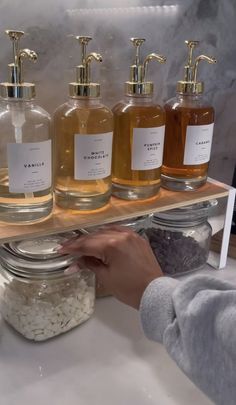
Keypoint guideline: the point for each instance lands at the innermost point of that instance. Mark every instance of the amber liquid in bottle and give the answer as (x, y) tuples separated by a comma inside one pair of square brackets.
[(135, 112), (181, 112), (79, 117)]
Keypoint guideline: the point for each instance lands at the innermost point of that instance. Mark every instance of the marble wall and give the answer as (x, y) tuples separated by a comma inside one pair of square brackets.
[(165, 24)]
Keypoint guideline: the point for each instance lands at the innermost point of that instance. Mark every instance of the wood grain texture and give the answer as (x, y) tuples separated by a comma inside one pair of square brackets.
[(65, 220)]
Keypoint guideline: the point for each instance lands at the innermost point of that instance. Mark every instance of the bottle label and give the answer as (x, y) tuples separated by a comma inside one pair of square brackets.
[(29, 166), (92, 156), (198, 144), (147, 148)]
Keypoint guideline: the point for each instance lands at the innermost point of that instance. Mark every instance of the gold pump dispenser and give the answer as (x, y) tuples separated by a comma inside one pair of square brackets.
[(17, 88), (190, 84), (84, 87), (138, 84)]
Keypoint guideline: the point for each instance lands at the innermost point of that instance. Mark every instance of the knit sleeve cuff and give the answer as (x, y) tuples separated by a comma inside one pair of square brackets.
[(156, 307)]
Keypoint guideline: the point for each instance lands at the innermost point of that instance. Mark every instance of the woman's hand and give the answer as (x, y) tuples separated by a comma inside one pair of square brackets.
[(122, 261)]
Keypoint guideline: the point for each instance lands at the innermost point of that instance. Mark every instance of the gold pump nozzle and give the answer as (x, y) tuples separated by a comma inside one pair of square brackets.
[(16, 87), (190, 85), (83, 87), (138, 85)]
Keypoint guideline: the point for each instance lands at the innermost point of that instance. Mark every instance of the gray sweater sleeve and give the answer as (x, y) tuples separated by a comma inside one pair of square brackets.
[(196, 322)]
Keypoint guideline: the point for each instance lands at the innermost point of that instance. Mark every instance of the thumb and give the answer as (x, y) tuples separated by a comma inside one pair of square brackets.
[(91, 263), (97, 267)]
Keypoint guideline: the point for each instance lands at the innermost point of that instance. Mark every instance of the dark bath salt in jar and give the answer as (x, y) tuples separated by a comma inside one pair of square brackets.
[(180, 238)]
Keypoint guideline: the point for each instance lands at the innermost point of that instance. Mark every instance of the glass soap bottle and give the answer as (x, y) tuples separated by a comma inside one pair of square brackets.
[(189, 130), (83, 130), (139, 126), (25, 145)]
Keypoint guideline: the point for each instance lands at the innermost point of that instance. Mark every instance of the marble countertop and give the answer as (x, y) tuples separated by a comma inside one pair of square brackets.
[(104, 361)]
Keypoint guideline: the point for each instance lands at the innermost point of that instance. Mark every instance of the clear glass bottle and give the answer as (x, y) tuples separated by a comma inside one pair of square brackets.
[(83, 131), (139, 126), (25, 146), (37, 297), (189, 131), (180, 238)]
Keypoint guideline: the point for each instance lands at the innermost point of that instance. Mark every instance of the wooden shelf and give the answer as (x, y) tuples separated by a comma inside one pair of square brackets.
[(65, 220)]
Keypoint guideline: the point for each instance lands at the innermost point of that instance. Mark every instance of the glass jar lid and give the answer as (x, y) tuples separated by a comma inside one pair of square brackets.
[(42, 248), (190, 213), (28, 266), (36, 258), (134, 223)]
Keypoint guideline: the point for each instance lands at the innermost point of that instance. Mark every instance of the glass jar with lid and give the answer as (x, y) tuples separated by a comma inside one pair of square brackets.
[(37, 297), (180, 238)]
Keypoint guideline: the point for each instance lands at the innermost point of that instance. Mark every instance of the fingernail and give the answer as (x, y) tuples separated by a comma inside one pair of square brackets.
[(73, 268), (68, 245), (61, 250), (58, 248), (69, 241)]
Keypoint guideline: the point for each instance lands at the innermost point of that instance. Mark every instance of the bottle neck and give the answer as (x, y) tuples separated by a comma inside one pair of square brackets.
[(139, 100), (85, 101), (188, 96), (17, 103)]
